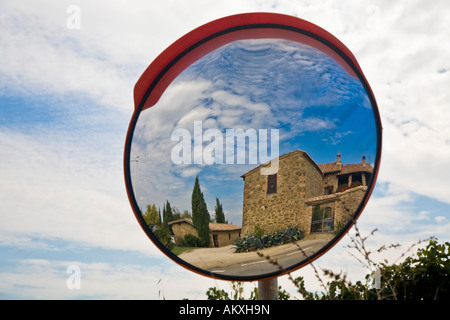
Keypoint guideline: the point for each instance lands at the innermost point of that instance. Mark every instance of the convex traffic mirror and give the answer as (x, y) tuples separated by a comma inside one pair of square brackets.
[(253, 136)]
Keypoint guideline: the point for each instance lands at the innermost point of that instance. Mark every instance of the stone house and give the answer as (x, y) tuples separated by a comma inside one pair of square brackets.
[(222, 234), (302, 193)]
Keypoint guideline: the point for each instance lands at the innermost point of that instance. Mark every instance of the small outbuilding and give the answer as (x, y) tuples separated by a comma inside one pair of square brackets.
[(221, 234)]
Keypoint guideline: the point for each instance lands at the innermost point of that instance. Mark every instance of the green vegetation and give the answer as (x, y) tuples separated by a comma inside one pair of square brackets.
[(192, 241), (200, 214), (151, 216), (424, 275), (167, 214), (200, 218), (258, 240), (179, 250), (220, 216), (160, 229), (237, 293), (345, 187)]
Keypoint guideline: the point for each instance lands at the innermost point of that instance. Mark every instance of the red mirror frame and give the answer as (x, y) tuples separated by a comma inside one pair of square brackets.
[(206, 38)]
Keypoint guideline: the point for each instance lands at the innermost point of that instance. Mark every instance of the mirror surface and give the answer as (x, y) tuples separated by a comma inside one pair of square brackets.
[(261, 145)]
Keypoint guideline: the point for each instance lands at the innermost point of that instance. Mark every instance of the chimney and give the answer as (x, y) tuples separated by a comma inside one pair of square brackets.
[(338, 158), (364, 161)]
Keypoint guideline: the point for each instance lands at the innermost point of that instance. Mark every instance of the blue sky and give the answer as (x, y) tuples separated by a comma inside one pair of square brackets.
[(65, 105)]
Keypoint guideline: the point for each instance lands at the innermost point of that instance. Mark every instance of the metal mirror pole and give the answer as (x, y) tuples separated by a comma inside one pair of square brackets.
[(268, 289)]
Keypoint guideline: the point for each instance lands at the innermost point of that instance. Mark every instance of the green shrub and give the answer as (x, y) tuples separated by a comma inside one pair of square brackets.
[(192, 241), (164, 235), (258, 231), (257, 241)]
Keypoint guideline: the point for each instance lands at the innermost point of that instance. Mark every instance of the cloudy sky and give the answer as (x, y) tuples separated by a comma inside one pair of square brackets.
[(66, 82)]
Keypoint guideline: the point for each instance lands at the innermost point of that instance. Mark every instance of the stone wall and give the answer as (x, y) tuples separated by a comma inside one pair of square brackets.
[(298, 178), (330, 180), (349, 202), (182, 229)]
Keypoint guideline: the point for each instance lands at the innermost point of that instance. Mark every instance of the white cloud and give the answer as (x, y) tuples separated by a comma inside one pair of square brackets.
[(411, 93), (47, 279), (440, 219), (64, 191), (45, 57), (424, 215)]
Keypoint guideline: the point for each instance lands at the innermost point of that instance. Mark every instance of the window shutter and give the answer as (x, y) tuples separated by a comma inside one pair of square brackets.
[(272, 183)]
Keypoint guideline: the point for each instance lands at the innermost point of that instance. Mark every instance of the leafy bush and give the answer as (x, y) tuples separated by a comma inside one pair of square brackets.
[(256, 241), (425, 277), (164, 235), (192, 241), (345, 187), (258, 231)]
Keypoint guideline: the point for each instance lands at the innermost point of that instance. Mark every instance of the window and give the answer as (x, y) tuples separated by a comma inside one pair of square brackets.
[(327, 213), (272, 183), (322, 219)]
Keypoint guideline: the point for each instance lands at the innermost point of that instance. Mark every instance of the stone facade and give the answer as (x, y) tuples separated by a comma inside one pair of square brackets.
[(181, 228), (298, 178), (300, 185)]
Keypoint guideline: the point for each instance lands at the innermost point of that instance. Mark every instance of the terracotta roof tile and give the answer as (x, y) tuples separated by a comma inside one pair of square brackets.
[(223, 227), (356, 167), (345, 168), (330, 167)]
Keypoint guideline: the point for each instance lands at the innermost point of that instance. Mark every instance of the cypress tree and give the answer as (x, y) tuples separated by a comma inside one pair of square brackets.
[(220, 216), (200, 214), (164, 215), (167, 213)]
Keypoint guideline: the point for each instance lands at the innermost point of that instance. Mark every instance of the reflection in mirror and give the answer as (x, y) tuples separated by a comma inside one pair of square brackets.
[(261, 145)]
